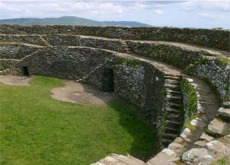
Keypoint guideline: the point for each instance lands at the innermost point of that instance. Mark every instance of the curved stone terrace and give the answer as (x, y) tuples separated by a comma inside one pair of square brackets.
[(207, 132)]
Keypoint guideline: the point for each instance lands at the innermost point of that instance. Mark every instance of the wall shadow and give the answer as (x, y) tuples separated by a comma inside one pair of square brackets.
[(145, 144)]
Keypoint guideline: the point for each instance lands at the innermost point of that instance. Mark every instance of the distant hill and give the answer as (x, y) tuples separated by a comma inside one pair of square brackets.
[(69, 20)]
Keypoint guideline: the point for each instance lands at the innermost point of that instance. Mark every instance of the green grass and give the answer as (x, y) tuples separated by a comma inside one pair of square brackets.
[(222, 161), (36, 129)]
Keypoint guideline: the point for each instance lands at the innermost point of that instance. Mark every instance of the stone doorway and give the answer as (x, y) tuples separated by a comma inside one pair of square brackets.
[(25, 71), (108, 80)]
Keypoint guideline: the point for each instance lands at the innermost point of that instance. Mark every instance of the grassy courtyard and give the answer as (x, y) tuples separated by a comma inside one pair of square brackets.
[(38, 130)]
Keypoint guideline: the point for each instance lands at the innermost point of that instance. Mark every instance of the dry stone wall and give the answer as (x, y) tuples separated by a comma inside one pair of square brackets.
[(15, 51), (73, 40), (169, 54), (204, 37), (138, 72), (216, 72), (64, 62), (31, 39)]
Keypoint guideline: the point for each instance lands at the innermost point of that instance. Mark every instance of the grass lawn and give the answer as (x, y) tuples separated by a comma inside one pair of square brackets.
[(38, 130)]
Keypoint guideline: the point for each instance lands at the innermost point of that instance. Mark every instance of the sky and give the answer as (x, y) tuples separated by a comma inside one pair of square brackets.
[(175, 13)]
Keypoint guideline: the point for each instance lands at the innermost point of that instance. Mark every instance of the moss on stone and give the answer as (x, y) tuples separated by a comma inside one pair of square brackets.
[(189, 126), (190, 92), (223, 60), (190, 70), (163, 93), (128, 61)]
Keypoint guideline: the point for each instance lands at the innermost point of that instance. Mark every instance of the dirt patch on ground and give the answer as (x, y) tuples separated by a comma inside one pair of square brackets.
[(74, 92), (15, 80)]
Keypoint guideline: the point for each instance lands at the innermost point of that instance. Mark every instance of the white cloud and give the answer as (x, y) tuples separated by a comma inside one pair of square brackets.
[(213, 10), (214, 5), (50, 8), (158, 11), (212, 15)]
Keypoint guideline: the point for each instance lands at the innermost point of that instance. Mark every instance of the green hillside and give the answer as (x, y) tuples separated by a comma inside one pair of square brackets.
[(69, 20)]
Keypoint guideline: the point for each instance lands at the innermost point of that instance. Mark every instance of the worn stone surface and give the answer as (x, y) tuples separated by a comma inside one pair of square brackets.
[(197, 155), (115, 159), (226, 104), (198, 123), (186, 135), (224, 112), (218, 127), (165, 157), (200, 143), (220, 149), (206, 137), (216, 146), (179, 148)]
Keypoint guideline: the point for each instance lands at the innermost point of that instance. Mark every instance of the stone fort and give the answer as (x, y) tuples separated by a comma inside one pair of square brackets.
[(177, 79)]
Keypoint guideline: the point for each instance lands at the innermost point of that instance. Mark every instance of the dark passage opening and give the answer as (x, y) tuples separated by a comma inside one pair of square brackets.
[(25, 71), (107, 80)]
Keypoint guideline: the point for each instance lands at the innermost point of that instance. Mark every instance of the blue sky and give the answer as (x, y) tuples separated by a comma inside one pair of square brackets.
[(176, 13)]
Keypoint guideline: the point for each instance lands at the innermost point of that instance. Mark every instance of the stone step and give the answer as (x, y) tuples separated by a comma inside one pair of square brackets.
[(218, 128), (173, 77), (169, 129), (224, 114), (173, 123), (174, 99), (173, 116), (174, 92), (226, 104), (169, 136), (173, 105), (178, 101), (172, 87), (172, 110), (171, 81), (206, 137), (166, 142)]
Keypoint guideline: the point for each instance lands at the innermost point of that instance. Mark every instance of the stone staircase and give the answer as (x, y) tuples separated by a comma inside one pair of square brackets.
[(215, 141), (11, 68), (173, 119), (45, 41), (90, 73), (218, 127), (125, 47), (6, 66), (5, 71)]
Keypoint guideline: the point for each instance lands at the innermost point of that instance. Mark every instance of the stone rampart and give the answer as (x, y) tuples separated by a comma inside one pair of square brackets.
[(204, 37), (142, 72)]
